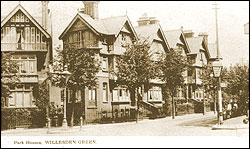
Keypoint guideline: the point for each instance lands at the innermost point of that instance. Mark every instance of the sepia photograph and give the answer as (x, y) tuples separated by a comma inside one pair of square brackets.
[(124, 74)]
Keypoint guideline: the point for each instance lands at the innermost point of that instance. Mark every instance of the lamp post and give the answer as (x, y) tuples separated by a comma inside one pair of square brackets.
[(115, 81), (217, 68), (213, 90), (65, 73)]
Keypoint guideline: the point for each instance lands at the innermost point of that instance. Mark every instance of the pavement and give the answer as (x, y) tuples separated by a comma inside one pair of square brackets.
[(232, 124), (185, 125)]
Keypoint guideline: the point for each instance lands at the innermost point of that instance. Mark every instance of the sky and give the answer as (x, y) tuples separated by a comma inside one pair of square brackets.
[(198, 16)]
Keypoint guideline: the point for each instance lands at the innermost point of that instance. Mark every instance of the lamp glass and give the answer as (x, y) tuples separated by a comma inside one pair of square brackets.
[(217, 71)]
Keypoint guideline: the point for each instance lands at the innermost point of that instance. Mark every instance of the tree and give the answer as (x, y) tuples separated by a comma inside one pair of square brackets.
[(237, 80), (41, 93), (172, 66), (83, 64), (209, 82), (9, 76), (136, 68)]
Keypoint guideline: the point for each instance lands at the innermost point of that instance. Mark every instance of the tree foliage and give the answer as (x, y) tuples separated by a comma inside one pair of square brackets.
[(172, 67), (135, 66), (41, 93), (237, 80), (83, 65), (9, 75)]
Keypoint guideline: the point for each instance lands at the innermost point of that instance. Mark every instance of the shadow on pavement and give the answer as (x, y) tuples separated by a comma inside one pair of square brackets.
[(200, 122)]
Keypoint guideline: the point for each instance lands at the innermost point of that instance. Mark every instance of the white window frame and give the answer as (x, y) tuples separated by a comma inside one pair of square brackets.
[(92, 96), (22, 91), (105, 92), (104, 64)]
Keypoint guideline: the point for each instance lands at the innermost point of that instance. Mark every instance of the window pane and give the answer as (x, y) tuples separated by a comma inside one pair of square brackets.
[(115, 95), (31, 57), (19, 86), (90, 94), (104, 92), (27, 34), (94, 94), (127, 94), (19, 99), (32, 35), (78, 96), (8, 34), (37, 36), (13, 34), (27, 87), (32, 66), (159, 95), (24, 68), (104, 63), (12, 99), (150, 94), (155, 95), (27, 99)]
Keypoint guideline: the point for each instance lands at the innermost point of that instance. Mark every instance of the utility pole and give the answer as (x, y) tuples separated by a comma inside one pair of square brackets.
[(217, 34), (220, 116)]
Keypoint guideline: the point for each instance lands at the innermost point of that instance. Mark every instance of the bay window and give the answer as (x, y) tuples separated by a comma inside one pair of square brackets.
[(27, 64), (155, 94), (120, 94), (21, 96)]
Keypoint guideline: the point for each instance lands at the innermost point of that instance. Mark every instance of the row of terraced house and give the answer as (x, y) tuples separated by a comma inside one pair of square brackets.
[(29, 37)]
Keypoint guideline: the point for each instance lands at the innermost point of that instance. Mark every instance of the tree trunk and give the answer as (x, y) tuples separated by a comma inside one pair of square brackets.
[(215, 102), (83, 103), (173, 107), (137, 104), (73, 108)]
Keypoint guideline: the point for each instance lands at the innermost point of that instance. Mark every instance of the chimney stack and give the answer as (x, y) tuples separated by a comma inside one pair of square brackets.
[(205, 36), (91, 9), (188, 33), (145, 20), (45, 14)]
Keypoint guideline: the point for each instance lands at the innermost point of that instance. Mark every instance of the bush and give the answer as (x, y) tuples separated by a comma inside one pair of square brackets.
[(11, 118), (38, 118)]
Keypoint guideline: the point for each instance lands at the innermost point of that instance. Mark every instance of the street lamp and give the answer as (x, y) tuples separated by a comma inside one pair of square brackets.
[(65, 73), (217, 68)]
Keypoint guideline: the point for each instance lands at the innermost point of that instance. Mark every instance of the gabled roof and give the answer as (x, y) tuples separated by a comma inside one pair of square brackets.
[(196, 44), (150, 31), (26, 13), (107, 26), (174, 37)]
